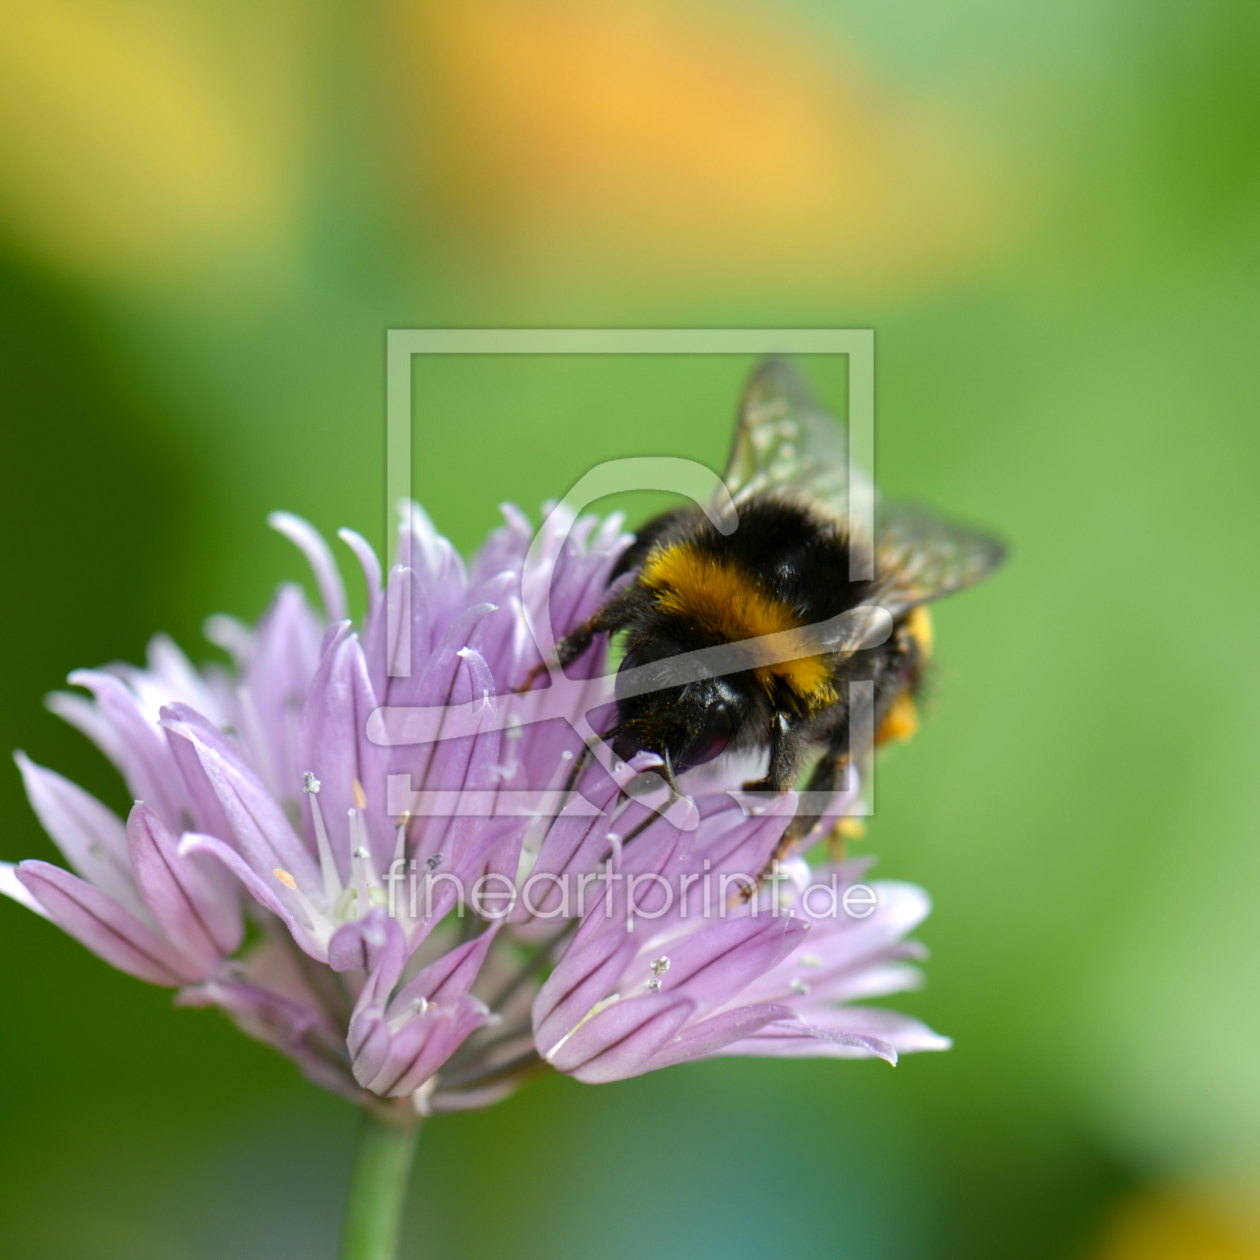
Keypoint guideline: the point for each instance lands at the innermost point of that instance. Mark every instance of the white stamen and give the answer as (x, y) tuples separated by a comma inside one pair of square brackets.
[(358, 867), (376, 894), (811, 961), (417, 1006), (798, 986), (660, 965), (310, 784), (602, 1005), (327, 863), (653, 985)]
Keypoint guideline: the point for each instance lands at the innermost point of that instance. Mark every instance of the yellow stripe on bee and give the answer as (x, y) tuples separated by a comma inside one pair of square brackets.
[(727, 603)]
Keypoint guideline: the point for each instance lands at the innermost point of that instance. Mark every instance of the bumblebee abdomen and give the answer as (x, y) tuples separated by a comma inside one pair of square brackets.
[(908, 656)]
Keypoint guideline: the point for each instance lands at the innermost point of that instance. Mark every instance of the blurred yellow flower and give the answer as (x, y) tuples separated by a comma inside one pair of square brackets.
[(1179, 1225), (139, 140)]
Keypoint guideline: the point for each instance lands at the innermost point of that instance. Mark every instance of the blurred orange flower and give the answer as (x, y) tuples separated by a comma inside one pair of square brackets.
[(676, 145)]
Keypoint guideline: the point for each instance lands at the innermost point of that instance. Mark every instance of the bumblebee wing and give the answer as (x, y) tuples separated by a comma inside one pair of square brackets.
[(786, 441), (919, 556)]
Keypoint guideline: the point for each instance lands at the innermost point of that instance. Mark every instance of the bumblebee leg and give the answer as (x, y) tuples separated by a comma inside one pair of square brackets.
[(614, 616), (568, 649), (826, 778), (786, 750)]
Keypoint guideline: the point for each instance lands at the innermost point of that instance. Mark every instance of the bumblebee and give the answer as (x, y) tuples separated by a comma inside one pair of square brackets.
[(785, 567)]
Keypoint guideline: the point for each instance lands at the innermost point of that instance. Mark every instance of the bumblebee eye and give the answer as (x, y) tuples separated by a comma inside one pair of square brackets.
[(635, 657), (720, 721), (632, 660)]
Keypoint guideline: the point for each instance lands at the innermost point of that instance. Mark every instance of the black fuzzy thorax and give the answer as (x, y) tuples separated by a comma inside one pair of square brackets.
[(794, 553)]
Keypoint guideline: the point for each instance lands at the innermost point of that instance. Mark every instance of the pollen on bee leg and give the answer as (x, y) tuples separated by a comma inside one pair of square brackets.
[(902, 721), (838, 837), (919, 625)]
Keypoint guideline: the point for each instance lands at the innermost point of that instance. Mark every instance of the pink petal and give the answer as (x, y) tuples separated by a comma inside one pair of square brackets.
[(188, 907), (311, 543), (100, 923), (90, 835)]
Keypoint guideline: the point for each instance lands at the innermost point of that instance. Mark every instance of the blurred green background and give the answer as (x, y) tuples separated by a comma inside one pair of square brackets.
[(210, 215)]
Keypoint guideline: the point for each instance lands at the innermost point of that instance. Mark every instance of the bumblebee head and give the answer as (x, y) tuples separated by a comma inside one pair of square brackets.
[(684, 725)]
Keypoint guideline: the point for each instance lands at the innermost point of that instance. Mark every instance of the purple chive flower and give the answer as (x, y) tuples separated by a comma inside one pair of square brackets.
[(706, 970), (616, 930)]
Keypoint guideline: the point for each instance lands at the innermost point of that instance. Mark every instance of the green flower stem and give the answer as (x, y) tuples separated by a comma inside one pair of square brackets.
[(378, 1186)]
